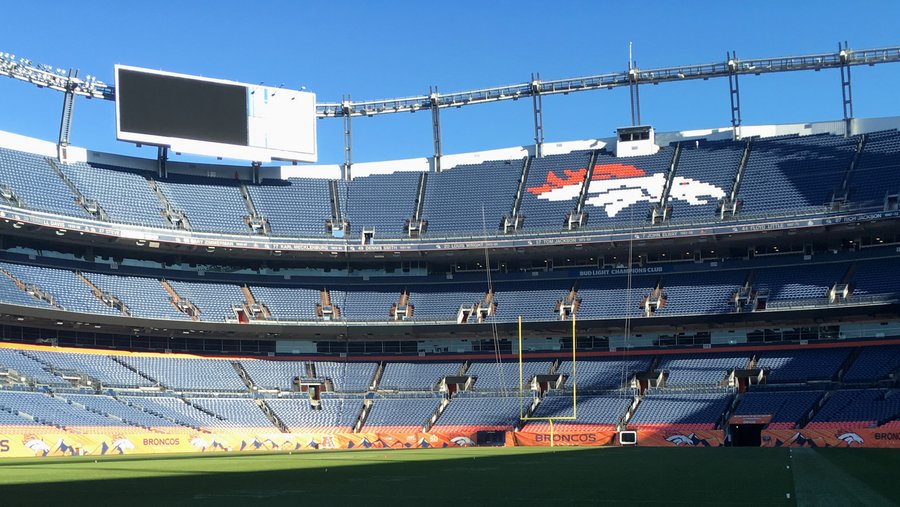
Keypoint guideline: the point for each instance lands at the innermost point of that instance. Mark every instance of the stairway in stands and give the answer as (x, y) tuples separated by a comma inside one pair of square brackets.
[(90, 205), (180, 303), (266, 409), (32, 290), (256, 222), (730, 205), (176, 217), (139, 372), (106, 298)]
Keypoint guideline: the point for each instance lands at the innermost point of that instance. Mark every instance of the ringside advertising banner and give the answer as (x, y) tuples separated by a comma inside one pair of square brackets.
[(18, 443), (25, 442), (680, 438), (832, 437), (584, 438)]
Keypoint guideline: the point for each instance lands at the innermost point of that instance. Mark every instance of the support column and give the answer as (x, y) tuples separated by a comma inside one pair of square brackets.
[(348, 137), (734, 94), (436, 126), (162, 156), (65, 124), (846, 89), (635, 95), (254, 172), (538, 115)]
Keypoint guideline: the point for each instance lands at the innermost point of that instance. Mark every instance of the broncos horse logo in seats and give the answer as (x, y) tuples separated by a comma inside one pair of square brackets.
[(691, 440), (614, 187)]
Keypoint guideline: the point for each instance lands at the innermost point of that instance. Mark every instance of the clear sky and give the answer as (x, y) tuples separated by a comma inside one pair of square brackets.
[(384, 49)]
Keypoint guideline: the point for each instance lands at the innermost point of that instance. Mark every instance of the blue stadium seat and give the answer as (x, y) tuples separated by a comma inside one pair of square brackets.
[(404, 376), (382, 202), (471, 198), (293, 207), (700, 411)]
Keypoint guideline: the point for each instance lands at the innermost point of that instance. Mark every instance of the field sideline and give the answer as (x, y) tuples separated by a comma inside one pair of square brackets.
[(474, 476)]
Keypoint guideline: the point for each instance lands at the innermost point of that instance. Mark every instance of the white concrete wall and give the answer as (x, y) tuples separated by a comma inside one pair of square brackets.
[(326, 171), (27, 144), (570, 146), (477, 157), (362, 169)]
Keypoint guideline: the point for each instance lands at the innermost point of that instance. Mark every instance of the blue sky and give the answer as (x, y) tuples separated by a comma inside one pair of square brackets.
[(393, 49)]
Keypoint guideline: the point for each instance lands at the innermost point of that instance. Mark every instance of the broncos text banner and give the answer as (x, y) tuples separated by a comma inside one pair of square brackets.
[(836, 437), (588, 438)]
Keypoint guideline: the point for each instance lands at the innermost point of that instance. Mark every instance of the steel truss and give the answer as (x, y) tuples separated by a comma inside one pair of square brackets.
[(57, 79), (843, 59)]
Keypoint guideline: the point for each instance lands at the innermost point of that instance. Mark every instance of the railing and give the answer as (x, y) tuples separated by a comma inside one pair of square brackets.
[(640, 230), (808, 303), (793, 305)]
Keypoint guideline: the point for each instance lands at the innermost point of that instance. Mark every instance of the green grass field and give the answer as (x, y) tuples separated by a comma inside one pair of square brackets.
[(470, 476)]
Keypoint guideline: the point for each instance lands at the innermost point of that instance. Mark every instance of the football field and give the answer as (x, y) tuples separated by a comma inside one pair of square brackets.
[(464, 476)]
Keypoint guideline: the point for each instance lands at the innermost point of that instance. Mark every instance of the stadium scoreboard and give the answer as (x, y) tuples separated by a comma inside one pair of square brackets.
[(214, 117)]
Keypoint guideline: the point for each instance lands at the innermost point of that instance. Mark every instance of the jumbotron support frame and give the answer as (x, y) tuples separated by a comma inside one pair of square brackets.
[(162, 160)]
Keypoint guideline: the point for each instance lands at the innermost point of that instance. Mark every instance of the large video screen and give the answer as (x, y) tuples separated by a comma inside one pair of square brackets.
[(214, 117), (180, 107)]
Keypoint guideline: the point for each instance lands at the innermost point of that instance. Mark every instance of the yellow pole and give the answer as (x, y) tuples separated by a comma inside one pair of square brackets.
[(574, 376), (521, 401), (551, 432)]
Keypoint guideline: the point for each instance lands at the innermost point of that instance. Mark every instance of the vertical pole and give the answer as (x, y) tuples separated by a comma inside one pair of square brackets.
[(521, 380), (633, 90), (734, 94), (551, 432), (574, 375), (846, 89), (348, 137), (631, 97), (635, 96), (436, 127), (255, 176), (537, 104), (162, 156)]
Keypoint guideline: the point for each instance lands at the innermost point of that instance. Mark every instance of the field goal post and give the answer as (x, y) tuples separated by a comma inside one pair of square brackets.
[(522, 416)]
